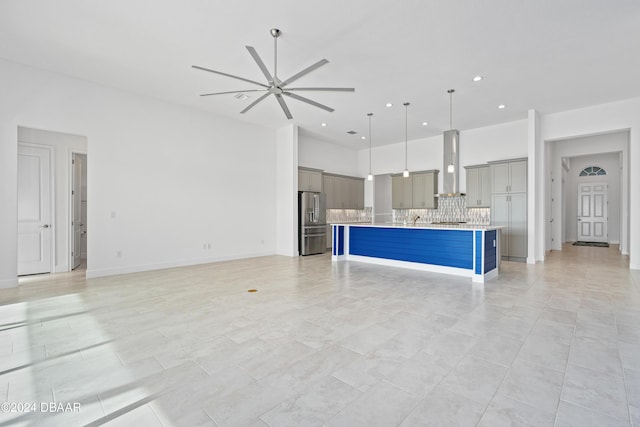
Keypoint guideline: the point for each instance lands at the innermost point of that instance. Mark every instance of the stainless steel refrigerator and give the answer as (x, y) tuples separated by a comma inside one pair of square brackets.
[(312, 223)]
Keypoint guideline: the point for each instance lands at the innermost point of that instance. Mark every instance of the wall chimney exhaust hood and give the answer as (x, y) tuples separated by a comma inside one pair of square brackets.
[(451, 156)]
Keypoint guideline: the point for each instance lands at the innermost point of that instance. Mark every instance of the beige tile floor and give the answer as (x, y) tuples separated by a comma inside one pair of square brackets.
[(346, 344)]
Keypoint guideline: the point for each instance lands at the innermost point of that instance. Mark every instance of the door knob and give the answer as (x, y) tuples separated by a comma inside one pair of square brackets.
[(45, 226)]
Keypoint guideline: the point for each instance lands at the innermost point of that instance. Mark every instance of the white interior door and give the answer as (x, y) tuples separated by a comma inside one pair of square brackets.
[(592, 212), (77, 221), (34, 210)]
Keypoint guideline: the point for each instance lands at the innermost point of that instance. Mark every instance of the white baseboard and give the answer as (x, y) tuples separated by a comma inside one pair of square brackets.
[(8, 283), (113, 271)]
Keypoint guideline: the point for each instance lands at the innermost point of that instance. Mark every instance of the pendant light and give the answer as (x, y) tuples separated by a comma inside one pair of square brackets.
[(406, 169), (370, 176), (451, 168)]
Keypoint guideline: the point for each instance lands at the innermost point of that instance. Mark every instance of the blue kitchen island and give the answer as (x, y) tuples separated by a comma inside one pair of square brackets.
[(462, 250)]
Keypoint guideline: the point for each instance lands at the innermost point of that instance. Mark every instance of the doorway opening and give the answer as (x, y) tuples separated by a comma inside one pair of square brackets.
[(78, 211), (47, 174)]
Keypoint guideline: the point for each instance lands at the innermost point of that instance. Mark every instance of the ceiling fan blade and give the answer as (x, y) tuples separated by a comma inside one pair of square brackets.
[(258, 60), (309, 101), (284, 106), (235, 91), (304, 72), (253, 104), (229, 75), (328, 89)]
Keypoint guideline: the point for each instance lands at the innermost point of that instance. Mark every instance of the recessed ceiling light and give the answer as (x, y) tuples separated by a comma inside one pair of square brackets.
[(477, 78), (388, 104), (323, 124), (363, 137), (424, 123), (501, 107)]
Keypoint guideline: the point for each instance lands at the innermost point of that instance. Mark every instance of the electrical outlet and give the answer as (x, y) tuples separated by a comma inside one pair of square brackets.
[(208, 245), (119, 254)]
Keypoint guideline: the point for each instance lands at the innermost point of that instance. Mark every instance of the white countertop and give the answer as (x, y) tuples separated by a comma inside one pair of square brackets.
[(425, 225)]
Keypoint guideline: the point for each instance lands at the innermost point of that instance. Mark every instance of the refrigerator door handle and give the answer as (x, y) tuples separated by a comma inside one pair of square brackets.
[(316, 207)]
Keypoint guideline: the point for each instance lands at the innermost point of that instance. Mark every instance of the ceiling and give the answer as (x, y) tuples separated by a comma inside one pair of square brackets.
[(551, 55)]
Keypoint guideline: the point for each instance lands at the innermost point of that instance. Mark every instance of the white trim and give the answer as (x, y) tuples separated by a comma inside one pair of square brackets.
[(412, 265), (490, 275), (103, 272), (9, 283)]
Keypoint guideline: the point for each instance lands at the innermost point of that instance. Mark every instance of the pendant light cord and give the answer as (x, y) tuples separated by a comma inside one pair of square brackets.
[(406, 105), (369, 114)]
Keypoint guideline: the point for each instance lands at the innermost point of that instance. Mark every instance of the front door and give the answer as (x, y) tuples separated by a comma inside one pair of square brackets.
[(34, 210), (592, 212)]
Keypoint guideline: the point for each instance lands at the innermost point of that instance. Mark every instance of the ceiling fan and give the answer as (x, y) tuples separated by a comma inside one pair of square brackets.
[(274, 85)]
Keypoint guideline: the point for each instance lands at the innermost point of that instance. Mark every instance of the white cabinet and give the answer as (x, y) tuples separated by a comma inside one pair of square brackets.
[(401, 192), (418, 191), (509, 207), (425, 188), (309, 180), (478, 186)]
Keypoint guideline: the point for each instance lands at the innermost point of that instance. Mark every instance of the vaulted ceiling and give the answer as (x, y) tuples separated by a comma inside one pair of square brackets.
[(549, 55)]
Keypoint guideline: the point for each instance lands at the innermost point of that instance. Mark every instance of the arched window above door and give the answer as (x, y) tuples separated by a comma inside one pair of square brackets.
[(593, 170)]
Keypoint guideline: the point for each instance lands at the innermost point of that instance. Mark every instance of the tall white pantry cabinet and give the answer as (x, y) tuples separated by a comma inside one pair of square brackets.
[(509, 206)]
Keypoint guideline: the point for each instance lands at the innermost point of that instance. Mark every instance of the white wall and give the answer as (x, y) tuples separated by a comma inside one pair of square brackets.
[(63, 146), (477, 146), (422, 154), (329, 157), (499, 142), (175, 178), (611, 164)]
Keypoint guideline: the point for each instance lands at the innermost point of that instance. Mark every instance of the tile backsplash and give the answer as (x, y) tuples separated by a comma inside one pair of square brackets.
[(348, 215), (450, 209)]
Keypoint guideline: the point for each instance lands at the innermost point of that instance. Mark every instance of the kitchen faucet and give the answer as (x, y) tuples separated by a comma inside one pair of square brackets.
[(415, 218)]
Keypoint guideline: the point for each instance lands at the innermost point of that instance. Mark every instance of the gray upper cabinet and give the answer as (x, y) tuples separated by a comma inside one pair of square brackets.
[(425, 188), (478, 186), (401, 192), (309, 180), (416, 192), (343, 192), (509, 177), (356, 193)]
